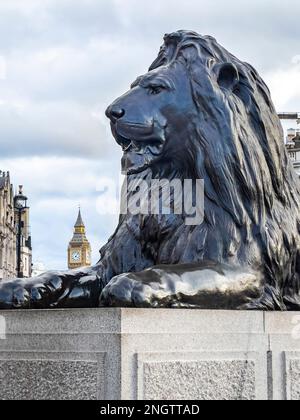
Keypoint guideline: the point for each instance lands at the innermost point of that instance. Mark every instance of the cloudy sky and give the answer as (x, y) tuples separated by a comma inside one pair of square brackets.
[(63, 61)]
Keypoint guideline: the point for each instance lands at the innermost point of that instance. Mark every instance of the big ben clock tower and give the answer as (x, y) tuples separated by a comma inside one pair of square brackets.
[(79, 251)]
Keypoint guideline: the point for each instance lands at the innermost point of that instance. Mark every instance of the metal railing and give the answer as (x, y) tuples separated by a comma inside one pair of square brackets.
[(289, 116)]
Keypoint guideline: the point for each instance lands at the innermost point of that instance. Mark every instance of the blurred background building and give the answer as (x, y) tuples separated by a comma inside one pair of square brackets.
[(8, 237), (15, 238), (292, 140), (23, 241)]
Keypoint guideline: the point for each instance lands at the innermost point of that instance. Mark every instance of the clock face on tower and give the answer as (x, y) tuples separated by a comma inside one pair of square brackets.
[(76, 256)]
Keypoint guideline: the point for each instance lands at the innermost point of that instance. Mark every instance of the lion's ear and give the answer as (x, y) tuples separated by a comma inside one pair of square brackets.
[(228, 76)]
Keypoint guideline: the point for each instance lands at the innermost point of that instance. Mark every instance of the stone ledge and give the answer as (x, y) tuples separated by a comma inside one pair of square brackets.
[(147, 353)]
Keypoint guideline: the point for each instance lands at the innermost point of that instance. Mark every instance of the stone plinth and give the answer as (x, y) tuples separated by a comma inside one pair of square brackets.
[(149, 354)]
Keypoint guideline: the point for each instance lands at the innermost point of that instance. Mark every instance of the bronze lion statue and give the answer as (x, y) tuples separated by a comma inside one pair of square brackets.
[(199, 113)]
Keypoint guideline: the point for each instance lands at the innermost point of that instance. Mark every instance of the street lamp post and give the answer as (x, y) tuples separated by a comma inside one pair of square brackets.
[(20, 204)]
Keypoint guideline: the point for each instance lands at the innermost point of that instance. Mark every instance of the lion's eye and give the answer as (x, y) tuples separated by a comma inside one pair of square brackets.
[(155, 90)]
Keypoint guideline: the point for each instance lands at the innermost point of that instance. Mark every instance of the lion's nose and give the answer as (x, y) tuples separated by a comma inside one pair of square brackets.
[(114, 113)]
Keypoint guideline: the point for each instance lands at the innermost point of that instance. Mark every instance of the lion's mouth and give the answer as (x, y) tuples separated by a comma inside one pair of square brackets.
[(142, 145), (139, 155), (138, 138), (153, 146)]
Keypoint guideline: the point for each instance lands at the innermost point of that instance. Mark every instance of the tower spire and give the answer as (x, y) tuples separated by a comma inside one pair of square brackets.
[(79, 221)]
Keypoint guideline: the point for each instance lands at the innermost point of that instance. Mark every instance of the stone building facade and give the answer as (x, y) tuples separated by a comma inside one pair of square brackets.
[(293, 147), (24, 248), (15, 238), (8, 233)]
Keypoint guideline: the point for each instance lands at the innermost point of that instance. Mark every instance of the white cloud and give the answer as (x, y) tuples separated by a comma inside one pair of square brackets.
[(3, 68), (53, 128), (296, 60), (284, 84)]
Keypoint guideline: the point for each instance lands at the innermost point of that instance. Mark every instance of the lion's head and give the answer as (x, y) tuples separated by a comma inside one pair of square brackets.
[(151, 120), (190, 100), (202, 113)]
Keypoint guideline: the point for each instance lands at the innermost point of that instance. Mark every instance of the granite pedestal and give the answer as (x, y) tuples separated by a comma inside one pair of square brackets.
[(149, 354)]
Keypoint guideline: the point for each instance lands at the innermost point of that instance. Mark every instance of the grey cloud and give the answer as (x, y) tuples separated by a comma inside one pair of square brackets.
[(29, 23), (262, 27), (263, 32), (67, 58), (53, 129), (88, 75)]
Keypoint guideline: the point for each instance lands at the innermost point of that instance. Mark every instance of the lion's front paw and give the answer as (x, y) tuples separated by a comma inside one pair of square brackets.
[(13, 295), (125, 290)]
